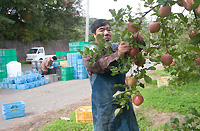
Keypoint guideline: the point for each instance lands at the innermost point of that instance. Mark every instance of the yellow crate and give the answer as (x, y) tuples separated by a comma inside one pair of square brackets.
[(63, 63), (84, 114)]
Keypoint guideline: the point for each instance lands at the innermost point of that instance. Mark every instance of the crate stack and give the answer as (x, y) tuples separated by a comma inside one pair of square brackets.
[(25, 81), (73, 46), (75, 61), (66, 73), (61, 55), (6, 56)]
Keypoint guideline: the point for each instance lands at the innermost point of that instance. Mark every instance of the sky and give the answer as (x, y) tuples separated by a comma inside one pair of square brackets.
[(100, 8)]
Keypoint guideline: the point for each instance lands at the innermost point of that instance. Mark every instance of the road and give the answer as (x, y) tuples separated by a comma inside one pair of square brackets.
[(43, 98)]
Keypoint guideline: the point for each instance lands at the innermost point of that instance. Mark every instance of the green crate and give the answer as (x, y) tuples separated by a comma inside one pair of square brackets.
[(3, 74), (66, 70), (9, 52), (61, 53), (1, 52), (67, 77), (72, 44)]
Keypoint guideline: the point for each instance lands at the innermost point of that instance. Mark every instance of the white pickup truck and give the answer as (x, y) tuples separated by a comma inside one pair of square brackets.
[(37, 54)]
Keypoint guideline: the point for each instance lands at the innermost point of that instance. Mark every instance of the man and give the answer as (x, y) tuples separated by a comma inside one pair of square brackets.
[(102, 83), (47, 64)]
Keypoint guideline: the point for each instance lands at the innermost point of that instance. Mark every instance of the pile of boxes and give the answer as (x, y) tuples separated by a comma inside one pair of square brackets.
[(6, 56)]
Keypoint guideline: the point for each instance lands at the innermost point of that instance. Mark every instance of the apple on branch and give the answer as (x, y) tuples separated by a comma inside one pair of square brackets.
[(139, 62), (131, 28), (154, 27), (198, 61), (164, 11), (138, 99), (166, 59), (131, 81), (192, 33)]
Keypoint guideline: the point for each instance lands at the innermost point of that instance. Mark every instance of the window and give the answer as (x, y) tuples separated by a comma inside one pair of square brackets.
[(40, 51)]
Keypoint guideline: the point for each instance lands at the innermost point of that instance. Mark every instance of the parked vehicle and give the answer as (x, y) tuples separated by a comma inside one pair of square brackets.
[(37, 54)]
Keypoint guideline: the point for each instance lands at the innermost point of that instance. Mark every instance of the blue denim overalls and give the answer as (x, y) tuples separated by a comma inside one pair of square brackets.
[(102, 107)]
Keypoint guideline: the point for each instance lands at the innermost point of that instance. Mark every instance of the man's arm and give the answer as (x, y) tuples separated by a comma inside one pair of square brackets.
[(102, 64)]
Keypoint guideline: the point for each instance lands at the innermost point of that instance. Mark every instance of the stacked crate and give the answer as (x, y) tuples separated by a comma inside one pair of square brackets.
[(75, 61), (73, 46), (66, 73), (25, 81), (6, 56)]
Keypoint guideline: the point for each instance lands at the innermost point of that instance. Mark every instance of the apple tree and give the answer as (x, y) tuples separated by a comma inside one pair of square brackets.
[(173, 40)]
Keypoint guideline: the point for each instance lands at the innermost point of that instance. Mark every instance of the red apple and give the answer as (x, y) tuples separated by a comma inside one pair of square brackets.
[(132, 29), (131, 81), (138, 99), (137, 38), (193, 33), (139, 62), (154, 27), (164, 11), (198, 61), (166, 59), (126, 79), (134, 51)]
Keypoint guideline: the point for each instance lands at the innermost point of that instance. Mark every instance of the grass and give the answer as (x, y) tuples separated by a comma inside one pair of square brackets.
[(71, 125), (162, 99), (166, 99)]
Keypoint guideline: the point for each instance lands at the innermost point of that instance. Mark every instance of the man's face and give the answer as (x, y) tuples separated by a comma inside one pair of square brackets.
[(106, 31)]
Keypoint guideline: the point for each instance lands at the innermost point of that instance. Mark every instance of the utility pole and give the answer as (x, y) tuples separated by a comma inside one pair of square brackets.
[(87, 23)]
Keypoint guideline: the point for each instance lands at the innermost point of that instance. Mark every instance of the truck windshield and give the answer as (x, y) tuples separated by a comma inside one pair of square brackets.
[(32, 51)]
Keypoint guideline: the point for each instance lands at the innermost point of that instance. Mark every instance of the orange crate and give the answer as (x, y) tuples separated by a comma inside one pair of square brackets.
[(84, 114), (63, 63)]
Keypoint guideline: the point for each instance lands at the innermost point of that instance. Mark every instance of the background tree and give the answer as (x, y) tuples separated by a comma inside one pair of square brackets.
[(39, 20)]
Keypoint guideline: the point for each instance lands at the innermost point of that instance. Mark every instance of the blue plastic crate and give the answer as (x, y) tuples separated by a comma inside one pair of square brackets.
[(12, 86), (42, 81), (4, 85), (13, 110), (31, 84), (55, 64), (46, 81), (23, 86), (37, 83)]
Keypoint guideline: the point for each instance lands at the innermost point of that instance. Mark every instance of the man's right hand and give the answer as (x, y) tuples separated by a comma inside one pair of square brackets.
[(123, 48)]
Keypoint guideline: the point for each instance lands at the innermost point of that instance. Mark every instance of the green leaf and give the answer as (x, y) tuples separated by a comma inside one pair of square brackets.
[(118, 111), (152, 68), (55, 1), (194, 111), (141, 85), (197, 2), (151, 49), (150, 2), (147, 79), (81, 52), (50, 3), (118, 93), (193, 48)]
